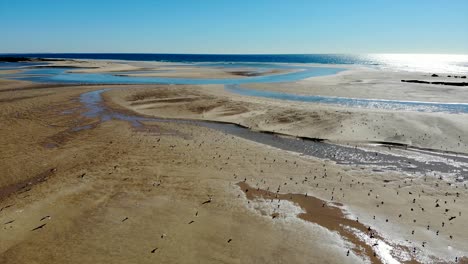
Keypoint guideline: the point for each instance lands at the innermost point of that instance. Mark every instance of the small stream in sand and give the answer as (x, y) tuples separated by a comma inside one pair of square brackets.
[(380, 157), (331, 216)]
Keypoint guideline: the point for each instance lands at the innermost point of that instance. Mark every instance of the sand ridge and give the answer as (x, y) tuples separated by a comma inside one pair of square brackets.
[(212, 102)]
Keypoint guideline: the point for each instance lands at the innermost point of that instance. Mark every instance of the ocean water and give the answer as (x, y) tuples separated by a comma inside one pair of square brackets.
[(300, 63), (398, 105), (62, 75), (430, 63)]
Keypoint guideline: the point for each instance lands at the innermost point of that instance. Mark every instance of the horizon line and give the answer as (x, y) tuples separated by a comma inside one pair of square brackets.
[(176, 53)]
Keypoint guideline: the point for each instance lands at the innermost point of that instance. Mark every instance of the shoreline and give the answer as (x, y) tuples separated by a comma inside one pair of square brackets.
[(355, 81)]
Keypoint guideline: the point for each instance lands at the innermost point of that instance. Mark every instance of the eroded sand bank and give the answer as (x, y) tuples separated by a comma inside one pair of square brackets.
[(439, 131)]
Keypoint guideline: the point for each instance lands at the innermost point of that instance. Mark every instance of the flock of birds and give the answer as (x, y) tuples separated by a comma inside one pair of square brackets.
[(329, 184), (335, 186)]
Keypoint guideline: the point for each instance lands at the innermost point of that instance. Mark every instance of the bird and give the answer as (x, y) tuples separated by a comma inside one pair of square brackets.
[(207, 201), (39, 227)]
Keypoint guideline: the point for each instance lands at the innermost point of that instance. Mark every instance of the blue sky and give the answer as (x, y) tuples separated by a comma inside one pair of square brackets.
[(234, 26)]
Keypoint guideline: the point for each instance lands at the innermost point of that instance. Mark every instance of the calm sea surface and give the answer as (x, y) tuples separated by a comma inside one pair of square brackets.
[(436, 63)]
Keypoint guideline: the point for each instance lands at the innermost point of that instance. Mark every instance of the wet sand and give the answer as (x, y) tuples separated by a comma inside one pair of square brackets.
[(438, 131), (168, 192), (370, 83), (156, 69), (319, 212)]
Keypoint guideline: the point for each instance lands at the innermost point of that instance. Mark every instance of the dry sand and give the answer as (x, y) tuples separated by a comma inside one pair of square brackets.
[(169, 192)]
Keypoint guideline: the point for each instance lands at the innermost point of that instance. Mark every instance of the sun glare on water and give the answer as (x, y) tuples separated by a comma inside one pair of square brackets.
[(436, 63)]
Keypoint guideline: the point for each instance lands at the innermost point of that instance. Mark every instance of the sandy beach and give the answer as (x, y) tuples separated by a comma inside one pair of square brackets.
[(78, 188), (156, 69)]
